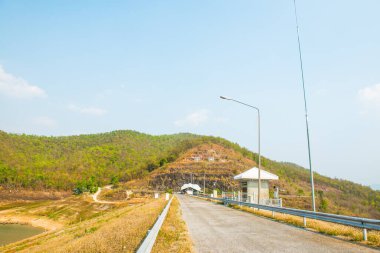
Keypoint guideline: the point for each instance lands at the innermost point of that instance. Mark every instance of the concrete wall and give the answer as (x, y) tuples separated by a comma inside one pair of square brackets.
[(253, 189)]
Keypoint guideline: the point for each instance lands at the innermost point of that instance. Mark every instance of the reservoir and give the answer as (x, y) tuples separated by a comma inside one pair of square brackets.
[(15, 232)]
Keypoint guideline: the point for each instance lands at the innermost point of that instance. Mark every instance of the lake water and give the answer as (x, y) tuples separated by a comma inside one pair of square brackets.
[(15, 232)]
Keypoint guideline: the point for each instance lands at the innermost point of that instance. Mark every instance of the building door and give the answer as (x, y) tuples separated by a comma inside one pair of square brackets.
[(244, 191)]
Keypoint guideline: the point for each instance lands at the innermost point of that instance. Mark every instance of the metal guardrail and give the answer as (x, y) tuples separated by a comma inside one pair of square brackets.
[(147, 245), (243, 197), (358, 222), (267, 202)]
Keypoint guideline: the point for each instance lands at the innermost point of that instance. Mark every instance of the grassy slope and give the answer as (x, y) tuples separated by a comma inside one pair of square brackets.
[(60, 162), (65, 211), (118, 230), (173, 236)]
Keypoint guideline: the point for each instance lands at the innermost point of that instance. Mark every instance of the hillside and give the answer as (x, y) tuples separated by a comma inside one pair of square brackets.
[(63, 162), (163, 162), (217, 165), (212, 162)]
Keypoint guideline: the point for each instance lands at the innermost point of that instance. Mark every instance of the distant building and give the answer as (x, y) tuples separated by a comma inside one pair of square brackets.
[(249, 183), (190, 189), (197, 158)]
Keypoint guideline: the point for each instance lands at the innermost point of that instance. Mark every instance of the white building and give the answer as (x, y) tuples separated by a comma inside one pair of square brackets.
[(249, 183), (190, 188)]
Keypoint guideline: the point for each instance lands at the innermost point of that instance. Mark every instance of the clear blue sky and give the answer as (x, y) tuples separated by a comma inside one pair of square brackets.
[(71, 67)]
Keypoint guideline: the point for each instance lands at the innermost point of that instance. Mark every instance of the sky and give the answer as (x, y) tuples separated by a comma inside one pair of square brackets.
[(159, 67)]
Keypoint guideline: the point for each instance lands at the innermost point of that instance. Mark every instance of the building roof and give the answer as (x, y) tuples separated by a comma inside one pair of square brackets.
[(254, 174), (189, 185)]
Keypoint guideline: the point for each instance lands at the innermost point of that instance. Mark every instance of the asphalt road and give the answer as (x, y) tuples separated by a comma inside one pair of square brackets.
[(215, 228)]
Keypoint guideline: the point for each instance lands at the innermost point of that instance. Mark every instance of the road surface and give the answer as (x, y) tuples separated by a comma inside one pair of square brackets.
[(215, 228)]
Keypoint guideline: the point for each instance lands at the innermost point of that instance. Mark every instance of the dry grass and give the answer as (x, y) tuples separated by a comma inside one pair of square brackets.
[(119, 193), (341, 231), (173, 236), (65, 211), (121, 235), (120, 230), (31, 195)]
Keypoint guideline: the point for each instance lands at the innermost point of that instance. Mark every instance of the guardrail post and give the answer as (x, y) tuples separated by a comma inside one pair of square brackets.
[(272, 214), (304, 222), (364, 234)]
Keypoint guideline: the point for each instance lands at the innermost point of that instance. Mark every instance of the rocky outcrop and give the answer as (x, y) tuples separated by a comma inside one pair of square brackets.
[(209, 164)]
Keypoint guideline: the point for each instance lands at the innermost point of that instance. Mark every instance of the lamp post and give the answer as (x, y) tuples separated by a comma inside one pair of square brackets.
[(258, 128)]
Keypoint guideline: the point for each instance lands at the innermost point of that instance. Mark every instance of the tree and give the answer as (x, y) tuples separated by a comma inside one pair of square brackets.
[(115, 181)]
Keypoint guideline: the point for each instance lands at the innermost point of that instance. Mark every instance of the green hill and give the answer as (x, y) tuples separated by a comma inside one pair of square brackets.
[(85, 161), (40, 162), (61, 162)]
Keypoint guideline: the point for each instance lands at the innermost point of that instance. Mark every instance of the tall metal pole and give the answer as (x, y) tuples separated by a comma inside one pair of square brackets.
[(204, 182), (259, 134), (306, 115), (259, 137)]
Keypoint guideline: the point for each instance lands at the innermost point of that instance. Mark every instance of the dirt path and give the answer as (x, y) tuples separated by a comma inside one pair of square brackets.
[(215, 228), (96, 194)]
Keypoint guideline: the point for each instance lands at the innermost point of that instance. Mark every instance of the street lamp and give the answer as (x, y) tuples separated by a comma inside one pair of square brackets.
[(258, 128)]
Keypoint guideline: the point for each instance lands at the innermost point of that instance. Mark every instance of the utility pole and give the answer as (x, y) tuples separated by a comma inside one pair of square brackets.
[(204, 182)]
